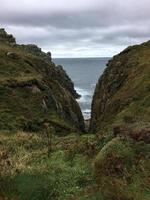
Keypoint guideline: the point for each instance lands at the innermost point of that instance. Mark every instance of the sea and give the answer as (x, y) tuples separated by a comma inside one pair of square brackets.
[(85, 73)]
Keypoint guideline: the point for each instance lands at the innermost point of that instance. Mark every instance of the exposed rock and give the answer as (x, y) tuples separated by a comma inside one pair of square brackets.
[(6, 38), (35, 50), (121, 116), (49, 55), (65, 81), (12, 55), (35, 89)]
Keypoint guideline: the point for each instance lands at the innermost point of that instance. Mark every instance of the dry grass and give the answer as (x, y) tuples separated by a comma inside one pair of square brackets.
[(28, 172)]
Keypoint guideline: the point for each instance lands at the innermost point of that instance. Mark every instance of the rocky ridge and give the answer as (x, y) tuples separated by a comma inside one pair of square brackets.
[(33, 90), (121, 120), (122, 94), (112, 163)]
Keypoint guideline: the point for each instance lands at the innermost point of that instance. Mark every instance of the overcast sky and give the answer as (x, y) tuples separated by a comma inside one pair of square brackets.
[(77, 28)]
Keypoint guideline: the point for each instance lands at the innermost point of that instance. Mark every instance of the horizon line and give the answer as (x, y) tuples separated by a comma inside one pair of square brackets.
[(83, 57)]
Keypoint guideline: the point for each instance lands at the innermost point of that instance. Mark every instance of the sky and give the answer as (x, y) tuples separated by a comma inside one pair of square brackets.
[(77, 28)]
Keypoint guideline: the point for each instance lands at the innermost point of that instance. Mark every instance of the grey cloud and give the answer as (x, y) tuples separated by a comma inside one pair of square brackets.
[(101, 13), (83, 26)]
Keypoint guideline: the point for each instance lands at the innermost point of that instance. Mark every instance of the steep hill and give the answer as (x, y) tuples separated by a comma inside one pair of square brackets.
[(34, 91), (121, 119), (122, 94), (113, 164)]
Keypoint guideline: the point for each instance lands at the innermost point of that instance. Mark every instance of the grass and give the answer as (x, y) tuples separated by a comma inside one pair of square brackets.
[(120, 171), (123, 92), (75, 167), (21, 107), (27, 172)]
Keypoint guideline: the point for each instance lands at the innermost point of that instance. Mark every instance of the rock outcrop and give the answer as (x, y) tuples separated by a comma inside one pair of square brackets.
[(122, 94), (7, 38), (35, 50), (33, 90), (65, 80)]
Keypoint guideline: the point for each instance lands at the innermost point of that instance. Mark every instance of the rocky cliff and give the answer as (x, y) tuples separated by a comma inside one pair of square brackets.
[(108, 165), (33, 90), (122, 94), (121, 119)]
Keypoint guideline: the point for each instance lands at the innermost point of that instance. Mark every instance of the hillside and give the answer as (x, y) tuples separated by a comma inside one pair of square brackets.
[(34, 91), (122, 94), (121, 119), (44, 156)]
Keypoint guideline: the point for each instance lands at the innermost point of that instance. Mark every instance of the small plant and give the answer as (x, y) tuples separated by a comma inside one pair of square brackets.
[(49, 132)]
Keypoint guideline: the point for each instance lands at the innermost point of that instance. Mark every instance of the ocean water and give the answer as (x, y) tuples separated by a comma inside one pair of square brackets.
[(84, 72)]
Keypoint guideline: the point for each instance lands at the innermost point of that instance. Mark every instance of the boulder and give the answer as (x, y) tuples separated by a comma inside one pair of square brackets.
[(12, 55)]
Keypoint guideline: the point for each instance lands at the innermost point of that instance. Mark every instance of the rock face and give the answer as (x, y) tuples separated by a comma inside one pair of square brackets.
[(121, 119), (66, 82), (33, 90), (35, 50), (7, 38), (122, 94), (58, 72)]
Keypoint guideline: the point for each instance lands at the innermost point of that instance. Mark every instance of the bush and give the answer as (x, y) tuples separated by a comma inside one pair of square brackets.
[(122, 168)]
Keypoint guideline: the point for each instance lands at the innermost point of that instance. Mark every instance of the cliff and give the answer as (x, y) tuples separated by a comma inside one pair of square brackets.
[(34, 91), (122, 94), (113, 164), (121, 119)]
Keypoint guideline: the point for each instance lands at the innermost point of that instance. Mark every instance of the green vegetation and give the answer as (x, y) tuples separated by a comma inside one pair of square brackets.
[(27, 172), (122, 95), (44, 156), (33, 90), (121, 109), (122, 169)]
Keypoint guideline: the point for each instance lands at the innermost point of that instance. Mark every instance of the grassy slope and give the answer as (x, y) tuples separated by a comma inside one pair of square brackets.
[(122, 95), (122, 99), (20, 108), (120, 171), (27, 172)]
